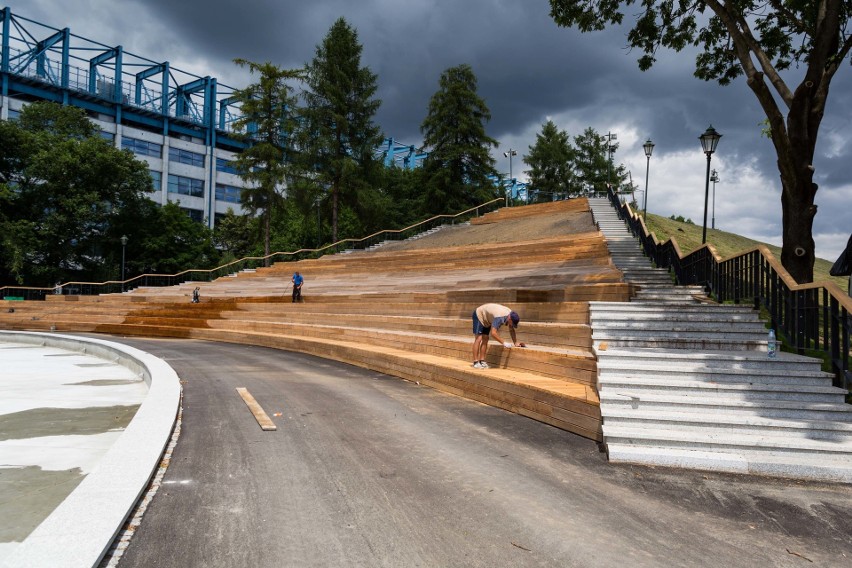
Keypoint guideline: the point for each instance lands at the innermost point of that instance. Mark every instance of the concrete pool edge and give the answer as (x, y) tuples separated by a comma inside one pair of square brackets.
[(81, 529)]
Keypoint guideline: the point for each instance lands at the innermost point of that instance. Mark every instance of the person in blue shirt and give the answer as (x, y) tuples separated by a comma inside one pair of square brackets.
[(297, 287)]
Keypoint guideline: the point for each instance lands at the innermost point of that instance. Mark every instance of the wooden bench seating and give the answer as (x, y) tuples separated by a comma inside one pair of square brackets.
[(402, 312)]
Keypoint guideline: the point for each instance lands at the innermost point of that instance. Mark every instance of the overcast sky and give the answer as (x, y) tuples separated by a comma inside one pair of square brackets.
[(529, 70)]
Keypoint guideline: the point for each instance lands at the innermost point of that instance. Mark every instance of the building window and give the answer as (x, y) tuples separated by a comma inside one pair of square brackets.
[(186, 157), (228, 193), (14, 114), (196, 215), (108, 136), (142, 147), (226, 166), (186, 186), (156, 180)]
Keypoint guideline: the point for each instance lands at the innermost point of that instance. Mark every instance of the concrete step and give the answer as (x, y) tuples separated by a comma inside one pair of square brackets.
[(649, 309), (683, 341), (755, 443), (687, 361), (674, 323), (716, 375), (817, 467), (632, 387), (796, 410), (731, 424)]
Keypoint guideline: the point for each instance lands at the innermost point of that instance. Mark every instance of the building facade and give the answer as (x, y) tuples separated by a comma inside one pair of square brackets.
[(180, 124)]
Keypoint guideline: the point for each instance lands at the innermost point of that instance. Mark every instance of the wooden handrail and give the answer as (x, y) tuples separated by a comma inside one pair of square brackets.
[(258, 259)]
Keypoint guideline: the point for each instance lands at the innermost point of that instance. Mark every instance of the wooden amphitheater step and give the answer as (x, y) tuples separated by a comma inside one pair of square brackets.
[(504, 213), (565, 335), (572, 407)]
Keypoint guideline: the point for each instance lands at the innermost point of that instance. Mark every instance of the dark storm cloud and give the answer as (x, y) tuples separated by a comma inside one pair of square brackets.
[(528, 69)]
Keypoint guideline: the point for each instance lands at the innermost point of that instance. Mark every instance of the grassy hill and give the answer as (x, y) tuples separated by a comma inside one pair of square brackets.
[(688, 237)]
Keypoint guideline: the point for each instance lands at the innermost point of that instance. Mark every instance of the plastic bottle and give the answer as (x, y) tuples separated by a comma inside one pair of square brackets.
[(771, 345)]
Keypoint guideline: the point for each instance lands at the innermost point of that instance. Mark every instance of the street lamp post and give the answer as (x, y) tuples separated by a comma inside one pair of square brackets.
[(319, 222), (709, 140), (509, 155), (610, 136), (123, 240), (714, 177), (649, 148)]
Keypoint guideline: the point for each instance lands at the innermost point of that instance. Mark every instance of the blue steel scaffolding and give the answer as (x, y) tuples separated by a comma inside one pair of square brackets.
[(39, 62)]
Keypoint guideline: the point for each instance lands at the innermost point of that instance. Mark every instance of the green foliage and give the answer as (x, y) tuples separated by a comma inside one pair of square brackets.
[(459, 163), (402, 190), (769, 43), (267, 125), (784, 32), (63, 187), (551, 159), (236, 234), (167, 242), (688, 237), (592, 166), (680, 219), (337, 135)]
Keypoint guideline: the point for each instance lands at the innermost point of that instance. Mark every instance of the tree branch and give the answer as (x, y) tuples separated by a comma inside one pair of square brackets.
[(826, 56), (747, 44), (798, 24)]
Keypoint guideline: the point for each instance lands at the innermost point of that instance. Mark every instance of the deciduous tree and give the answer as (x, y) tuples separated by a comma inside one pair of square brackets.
[(63, 187), (771, 43)]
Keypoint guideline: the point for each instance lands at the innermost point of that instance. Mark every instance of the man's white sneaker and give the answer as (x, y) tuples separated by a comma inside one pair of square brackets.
[(477, 365), (483, 365)]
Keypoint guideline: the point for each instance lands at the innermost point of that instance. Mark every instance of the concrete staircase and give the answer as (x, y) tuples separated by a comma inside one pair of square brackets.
[(687, 383)]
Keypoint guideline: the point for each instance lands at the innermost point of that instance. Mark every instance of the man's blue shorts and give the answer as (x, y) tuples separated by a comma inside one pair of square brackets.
[(478, 328)]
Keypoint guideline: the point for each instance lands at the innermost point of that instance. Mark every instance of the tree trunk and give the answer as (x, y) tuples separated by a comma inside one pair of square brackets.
[(796, 148), (335, 194), (798, 211)]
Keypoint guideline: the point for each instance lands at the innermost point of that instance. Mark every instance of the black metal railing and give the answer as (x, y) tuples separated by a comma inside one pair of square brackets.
[(811, 318), (247, 263)]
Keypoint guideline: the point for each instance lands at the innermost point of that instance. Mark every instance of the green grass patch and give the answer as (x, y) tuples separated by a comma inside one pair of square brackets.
[(688, 237)]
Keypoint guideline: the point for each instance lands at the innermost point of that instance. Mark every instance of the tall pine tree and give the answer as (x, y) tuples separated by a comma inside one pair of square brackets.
[(592, 166), (337, 135), (267, 125), (550, 162), (459, 162)]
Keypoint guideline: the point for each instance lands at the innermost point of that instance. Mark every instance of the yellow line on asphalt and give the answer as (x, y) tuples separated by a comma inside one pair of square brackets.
[(262, 418)]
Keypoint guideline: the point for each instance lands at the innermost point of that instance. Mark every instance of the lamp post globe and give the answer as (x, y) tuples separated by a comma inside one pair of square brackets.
[(648, 146), (709, 141)]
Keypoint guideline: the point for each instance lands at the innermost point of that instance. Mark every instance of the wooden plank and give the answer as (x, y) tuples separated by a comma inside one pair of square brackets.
[(262, 418)]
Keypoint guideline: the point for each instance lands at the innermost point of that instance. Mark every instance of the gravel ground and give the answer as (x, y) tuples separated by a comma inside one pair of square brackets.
[(522, 229)]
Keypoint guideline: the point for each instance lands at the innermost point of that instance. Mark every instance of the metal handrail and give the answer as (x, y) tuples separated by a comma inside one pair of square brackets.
[(809, 317), (249, 262)]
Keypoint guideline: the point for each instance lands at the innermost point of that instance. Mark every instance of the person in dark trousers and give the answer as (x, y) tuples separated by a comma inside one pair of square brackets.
[(487, 319), (196, 295), (297, 287)]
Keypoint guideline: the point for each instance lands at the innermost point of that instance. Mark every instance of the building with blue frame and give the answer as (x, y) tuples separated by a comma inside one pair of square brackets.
[(180, 124), (177, 122)]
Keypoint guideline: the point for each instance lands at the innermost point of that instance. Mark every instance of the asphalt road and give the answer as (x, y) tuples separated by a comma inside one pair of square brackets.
[(369, 470)]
